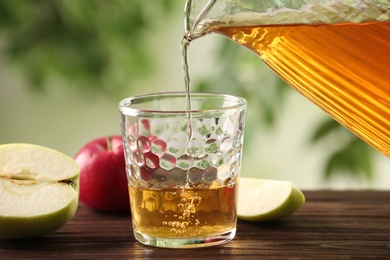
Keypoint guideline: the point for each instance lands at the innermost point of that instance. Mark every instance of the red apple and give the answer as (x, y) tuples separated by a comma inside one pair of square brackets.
[(103, 180)]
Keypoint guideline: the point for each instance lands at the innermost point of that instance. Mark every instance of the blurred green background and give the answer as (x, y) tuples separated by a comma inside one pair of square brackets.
[(65, 65)]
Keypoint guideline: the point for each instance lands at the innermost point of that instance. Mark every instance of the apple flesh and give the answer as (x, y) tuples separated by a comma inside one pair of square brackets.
[(103, 180), (38, 190), (262, 200)]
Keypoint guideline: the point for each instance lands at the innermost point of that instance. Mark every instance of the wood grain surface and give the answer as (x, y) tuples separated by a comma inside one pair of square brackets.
[(331, 225)]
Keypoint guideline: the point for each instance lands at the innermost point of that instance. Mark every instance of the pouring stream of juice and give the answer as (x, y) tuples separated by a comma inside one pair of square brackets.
[(339, 62), (185, 43)]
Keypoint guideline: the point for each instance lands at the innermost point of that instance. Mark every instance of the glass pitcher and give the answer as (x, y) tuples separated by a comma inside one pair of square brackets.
[(336, 53)]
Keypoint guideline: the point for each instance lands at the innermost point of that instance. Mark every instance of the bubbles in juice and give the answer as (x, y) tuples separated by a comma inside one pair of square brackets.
[(195, 212)]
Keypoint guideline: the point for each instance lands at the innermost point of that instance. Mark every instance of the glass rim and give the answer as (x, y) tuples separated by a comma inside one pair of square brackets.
[(125, 104)]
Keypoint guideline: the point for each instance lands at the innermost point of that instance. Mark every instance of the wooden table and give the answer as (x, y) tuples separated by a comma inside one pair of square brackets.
[(331, 225)]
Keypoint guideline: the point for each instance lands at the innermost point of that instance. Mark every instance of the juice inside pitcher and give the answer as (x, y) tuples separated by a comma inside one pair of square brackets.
[(343, 66)]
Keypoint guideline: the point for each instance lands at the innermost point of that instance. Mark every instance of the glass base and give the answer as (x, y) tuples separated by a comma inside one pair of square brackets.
[(187, 242)]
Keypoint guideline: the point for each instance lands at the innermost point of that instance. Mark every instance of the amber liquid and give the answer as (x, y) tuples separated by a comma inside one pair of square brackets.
[(343, 68), (182, 213)]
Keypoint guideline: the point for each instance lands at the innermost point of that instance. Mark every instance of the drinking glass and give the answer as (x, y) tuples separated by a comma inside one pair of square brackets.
[(183, 166)]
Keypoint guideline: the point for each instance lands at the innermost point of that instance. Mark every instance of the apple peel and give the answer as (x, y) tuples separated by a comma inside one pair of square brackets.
[(103, 179)]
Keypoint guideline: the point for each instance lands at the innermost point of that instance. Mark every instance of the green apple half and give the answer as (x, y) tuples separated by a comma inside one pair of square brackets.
[(262, 200), (39, 190)]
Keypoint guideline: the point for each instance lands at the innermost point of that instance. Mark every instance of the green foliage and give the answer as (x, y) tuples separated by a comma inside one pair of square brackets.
[(353, 157), (94, 44)]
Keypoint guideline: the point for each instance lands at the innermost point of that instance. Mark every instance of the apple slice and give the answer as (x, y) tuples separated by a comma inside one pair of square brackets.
[(38, 190), (263, 200)]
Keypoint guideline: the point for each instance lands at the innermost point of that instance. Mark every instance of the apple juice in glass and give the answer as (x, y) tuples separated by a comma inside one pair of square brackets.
[(183, 167), (335, 53)]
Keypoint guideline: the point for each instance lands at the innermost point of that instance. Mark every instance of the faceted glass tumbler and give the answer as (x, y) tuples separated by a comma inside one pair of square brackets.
[(183, 166)]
